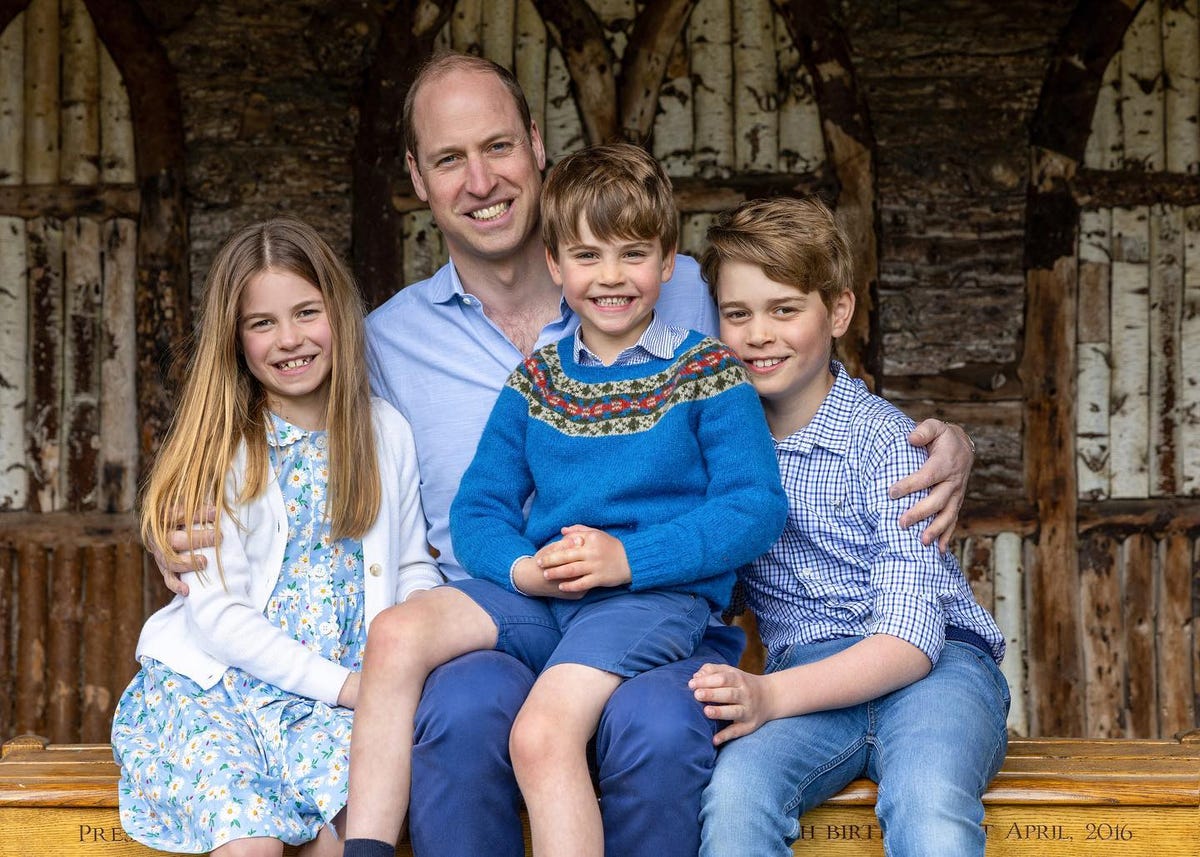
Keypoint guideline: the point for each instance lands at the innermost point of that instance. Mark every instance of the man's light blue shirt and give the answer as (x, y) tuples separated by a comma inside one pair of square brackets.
[(436, 356)]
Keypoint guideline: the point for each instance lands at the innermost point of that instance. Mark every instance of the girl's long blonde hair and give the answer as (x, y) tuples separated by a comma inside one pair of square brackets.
[(223, 406)]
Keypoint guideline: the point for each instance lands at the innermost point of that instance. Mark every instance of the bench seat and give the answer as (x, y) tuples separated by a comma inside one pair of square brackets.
[(1060, 797)]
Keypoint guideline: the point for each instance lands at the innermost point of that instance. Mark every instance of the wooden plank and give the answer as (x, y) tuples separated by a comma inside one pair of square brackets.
[(1138, 574), (8, 586), (671, 141), (801, 141), (1008, 574), (29, 708), (1103, 640), (117, 156), (755, 88), (499, 30), (44, 409), (1166, 369), (709, 31), (1189, 339), (32, 201), (977, 565), (693, 227), (97, 652), (12, 102), (1175, 643), (530, 61), (79, 161), (1129, 422), (563, 132), (14, 355), (62, 646), (118, 368), (81, 361), (1105, 149), (41, 92), (1181, 81), (128, 613), (1094, 374), (1142, 91)]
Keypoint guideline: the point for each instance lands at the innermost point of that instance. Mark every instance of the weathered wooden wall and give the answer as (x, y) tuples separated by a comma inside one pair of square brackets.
[(944, 130)]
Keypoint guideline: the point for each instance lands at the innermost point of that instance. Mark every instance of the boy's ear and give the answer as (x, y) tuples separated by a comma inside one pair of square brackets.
[(552, 264), (841, 313), (668, 263)]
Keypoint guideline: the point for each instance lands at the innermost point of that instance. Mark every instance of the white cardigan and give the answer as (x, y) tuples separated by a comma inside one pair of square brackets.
[(217, 626)]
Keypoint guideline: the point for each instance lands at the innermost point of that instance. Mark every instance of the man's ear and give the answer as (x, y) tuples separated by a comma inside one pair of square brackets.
[(415, 173), (841, 313), (539, 150)]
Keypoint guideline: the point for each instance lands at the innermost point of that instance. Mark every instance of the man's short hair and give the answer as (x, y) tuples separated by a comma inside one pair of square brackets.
[(798, 242), (621, 190), (442, 63)]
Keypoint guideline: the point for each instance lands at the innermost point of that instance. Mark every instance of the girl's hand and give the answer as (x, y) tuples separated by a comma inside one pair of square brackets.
[(584, 559), (731, 694), (945, 474)]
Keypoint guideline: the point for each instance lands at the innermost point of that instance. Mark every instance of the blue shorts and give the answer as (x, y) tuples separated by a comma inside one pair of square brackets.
[(617, 631)]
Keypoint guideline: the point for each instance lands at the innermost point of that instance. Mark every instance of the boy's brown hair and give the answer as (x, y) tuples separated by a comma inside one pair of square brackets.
[(621, 191), (797, 242)]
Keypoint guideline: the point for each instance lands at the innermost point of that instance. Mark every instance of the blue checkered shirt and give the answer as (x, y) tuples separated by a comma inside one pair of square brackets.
[(843, 567), (657, 342)]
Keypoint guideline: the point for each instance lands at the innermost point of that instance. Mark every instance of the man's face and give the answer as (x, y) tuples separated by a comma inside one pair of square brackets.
[(477, 166)]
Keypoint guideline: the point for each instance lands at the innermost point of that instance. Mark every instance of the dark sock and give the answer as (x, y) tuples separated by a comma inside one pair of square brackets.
[(368, 848)]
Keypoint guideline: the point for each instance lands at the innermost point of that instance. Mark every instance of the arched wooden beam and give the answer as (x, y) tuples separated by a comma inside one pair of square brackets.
[(590, 62), (379, 171), (654, 35), (1058, 135), (850, 148)]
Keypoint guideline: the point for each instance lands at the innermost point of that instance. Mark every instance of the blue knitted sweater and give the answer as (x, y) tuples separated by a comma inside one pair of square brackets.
[(673, 457)]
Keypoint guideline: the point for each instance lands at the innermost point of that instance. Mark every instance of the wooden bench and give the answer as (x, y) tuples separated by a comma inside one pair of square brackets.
[(1053, 797)]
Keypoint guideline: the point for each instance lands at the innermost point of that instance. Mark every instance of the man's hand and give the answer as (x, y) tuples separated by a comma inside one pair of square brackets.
[(945, 474), (183, 541), (583, 559), (731, 694)]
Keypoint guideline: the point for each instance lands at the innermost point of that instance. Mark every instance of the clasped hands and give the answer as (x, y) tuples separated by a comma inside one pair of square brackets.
[(583, 559)]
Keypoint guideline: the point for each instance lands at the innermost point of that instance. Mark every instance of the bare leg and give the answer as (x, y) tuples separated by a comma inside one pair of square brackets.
[(405, 644), (255, 846), (325, 845), (549, 753)]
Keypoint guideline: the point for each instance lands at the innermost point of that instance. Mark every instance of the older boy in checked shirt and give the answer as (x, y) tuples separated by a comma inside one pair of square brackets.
[(880, 662)]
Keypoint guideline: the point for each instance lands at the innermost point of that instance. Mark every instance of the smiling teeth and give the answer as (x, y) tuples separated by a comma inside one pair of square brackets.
[(613, 301), (491, 212), (766, 362), (295, 364)]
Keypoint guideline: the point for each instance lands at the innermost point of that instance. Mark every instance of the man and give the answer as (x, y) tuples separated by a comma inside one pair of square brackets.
[(442, 349)]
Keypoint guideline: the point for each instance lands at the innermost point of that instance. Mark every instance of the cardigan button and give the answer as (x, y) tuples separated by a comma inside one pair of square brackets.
[(376, 569)]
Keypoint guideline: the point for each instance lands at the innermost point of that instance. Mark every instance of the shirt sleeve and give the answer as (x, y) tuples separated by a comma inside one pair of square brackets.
[(487, 517), (910, 582), (744, 509)]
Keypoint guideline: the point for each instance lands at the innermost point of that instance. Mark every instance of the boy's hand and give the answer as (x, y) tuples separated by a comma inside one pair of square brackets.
[(583, 559), (202, 536), (733, 695), (531, 580), (945, 474)]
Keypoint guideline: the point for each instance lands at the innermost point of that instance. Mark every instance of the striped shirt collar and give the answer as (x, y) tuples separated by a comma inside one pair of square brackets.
[(658, 341)]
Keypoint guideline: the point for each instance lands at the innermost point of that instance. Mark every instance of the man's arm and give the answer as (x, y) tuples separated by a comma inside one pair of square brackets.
[(945, 473), (186, 543)]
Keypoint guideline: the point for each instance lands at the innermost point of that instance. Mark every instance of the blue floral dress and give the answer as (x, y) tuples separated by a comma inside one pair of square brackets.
[(202, 767)]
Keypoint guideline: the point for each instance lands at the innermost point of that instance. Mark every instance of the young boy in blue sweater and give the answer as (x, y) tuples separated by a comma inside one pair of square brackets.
[(880, 662), (624, 474)]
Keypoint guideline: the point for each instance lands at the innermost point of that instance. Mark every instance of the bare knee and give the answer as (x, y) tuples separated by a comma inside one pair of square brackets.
[(399, 636), (257, 846), (539, 738)]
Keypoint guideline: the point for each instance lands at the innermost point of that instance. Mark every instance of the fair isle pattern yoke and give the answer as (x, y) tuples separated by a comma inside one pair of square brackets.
[(582, 409)]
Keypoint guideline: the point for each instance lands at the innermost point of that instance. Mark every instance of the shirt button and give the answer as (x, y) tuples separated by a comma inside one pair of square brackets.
[(320, 571), (376, 569)]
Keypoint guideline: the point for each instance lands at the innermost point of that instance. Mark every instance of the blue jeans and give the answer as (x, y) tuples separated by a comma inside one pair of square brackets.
[(932, 747), (654, 754)]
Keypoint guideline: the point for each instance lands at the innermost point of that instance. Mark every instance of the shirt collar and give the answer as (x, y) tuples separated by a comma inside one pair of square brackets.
[(828, 426), (656, 341), (446, 286), (282, 434)]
